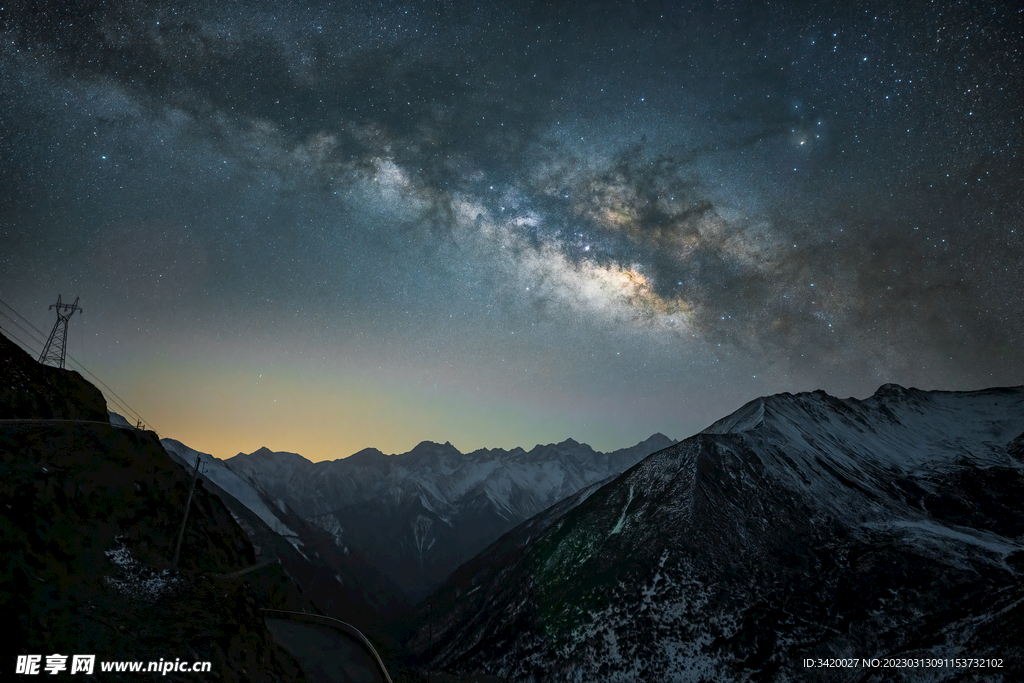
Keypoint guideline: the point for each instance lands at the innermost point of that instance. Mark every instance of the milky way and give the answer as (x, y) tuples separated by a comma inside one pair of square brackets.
[(320, 229)]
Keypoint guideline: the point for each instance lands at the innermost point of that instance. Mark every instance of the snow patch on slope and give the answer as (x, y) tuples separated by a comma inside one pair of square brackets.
[(135, 580), (618, 525), (213, 469)]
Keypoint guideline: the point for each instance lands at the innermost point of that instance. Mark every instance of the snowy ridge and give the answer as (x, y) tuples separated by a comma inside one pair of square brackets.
[(338, 579), (843, 448), (435, 505), (436, 474), (213, 469), (876, 430), (799, 527), (118, 420)]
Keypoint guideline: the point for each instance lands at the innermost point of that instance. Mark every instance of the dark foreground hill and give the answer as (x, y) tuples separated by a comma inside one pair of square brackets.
[(89, 515), (800, 529), (32, 390)]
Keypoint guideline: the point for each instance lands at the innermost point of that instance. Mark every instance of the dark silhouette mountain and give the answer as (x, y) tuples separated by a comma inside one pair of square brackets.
[(36, 391), (418, 515), (800, 527), (89, 519)]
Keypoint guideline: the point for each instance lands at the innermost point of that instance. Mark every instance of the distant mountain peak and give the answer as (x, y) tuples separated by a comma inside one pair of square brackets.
[(264, 454), (367, 455), (893, 390), (433, 446), (658, 437)]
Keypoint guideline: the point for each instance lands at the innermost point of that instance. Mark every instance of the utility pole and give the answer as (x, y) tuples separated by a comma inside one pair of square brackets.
[(181, 532), (51, 353)]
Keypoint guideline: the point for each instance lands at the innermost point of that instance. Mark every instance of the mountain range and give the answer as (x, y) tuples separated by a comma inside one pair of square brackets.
[(419, 515), (801, 531), (803, 537)]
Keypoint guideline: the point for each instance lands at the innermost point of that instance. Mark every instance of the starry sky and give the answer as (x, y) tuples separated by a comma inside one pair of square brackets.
[(327, 226)]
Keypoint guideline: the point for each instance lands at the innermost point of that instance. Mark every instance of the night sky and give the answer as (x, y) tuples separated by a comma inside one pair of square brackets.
[(331, 226)]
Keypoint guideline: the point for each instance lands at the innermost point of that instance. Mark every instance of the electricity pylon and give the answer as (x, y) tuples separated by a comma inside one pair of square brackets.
[(51, 353)]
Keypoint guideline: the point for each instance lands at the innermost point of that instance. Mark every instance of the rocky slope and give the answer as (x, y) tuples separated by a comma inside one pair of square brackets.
[(420, 514), (334, 577), (89, 516), (800, 528), (32, 390)]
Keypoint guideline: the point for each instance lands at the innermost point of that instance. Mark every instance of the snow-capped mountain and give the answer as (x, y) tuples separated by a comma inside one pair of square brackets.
[(420, 514), (800, 531), (337, 579)]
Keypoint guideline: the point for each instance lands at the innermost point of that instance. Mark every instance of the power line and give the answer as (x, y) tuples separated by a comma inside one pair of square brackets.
[(18, 339), (131, 412), (27, 321), (27, 333), (120, 403)]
